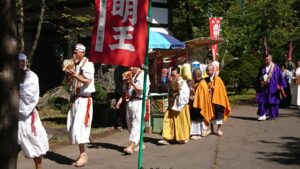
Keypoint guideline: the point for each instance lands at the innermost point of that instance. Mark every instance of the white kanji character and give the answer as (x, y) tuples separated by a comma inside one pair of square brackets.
[(130, 10), (122, 37), (118, 8), (216, 30)]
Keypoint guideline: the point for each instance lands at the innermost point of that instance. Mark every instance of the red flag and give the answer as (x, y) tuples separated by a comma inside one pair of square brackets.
[(215, 29), (120, 32)]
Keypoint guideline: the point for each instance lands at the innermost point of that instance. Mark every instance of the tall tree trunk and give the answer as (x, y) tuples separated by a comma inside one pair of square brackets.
[(266, 48), (20, 16), (290, 52), (8, 86), (189, 24), (38, 31)]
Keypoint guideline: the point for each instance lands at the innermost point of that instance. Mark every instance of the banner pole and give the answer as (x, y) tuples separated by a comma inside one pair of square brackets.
[(140, 158)]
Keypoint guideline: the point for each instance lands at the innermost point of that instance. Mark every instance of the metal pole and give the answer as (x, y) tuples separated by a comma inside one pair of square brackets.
[(140, 159)]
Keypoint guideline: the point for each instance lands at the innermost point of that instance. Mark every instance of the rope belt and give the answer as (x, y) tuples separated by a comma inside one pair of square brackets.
[(33, 129), (135, 98)]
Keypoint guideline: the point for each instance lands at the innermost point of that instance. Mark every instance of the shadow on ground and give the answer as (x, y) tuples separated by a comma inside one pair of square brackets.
[(56, 120), (292, 114), (289, 154), (281, 115), (58, 158), (106, 146), (251, 102), (244, 118), (151, 140)]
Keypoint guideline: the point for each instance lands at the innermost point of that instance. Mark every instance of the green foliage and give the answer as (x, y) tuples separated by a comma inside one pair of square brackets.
[(246, 96), (65, 84), (100, 96), (58, 103), (243, 27), (241, 74), (71, 23)]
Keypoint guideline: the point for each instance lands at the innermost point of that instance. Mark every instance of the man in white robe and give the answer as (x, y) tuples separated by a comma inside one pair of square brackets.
[(176, 123), (81, 110), (32, 136), (134, 107)]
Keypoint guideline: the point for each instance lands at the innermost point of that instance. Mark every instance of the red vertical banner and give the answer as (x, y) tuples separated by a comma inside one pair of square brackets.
[(214, 30), (120, 32)]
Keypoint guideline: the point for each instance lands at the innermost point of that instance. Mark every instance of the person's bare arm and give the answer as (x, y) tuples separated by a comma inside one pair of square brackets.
[(80, 78)]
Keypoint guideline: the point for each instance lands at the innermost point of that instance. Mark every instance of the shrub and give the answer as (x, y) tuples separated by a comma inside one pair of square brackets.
[(100, 96), (58, 103)]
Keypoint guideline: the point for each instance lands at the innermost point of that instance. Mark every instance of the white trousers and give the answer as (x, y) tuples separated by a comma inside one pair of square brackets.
[(133, 119), (217, 122), (197, 128)]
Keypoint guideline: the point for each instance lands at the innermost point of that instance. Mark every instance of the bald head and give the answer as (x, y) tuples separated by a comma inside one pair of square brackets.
[(268, 60), (210, 70), (197, 75)]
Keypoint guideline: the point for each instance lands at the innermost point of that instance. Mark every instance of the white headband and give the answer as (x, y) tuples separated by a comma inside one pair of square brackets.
[(80, 48)]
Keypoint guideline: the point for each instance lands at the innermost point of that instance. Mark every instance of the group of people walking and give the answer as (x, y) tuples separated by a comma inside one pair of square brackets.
[(194, 106)]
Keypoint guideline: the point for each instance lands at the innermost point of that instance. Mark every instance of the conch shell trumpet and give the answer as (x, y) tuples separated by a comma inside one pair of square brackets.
[(127, 75), (177, 84), (68, 64)]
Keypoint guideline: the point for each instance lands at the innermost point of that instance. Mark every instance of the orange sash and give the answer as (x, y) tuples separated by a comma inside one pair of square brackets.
[(87, 114)]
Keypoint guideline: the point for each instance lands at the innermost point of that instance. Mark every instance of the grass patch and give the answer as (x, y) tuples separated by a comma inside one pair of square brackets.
[(53, 118), (244, 97), (55, 122)]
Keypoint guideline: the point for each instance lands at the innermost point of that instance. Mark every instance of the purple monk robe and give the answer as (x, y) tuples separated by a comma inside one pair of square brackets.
[(269, 93)]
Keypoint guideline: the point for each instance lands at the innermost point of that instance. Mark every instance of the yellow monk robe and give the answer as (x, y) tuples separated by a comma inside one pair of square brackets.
[(202, 100), (220, 96), (176, 125)]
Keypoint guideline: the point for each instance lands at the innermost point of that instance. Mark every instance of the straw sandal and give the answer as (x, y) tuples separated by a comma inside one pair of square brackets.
[(82, 160), (129, 150), (137, 147), (196, 137), (206, 133), (163, 142), (219, 133)]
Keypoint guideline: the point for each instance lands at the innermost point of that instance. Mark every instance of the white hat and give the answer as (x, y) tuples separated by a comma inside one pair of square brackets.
[(22, 56), (80, 47)]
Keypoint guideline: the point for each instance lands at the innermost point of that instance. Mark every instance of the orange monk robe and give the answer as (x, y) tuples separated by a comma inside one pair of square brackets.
[(202, 100), (220, 96)]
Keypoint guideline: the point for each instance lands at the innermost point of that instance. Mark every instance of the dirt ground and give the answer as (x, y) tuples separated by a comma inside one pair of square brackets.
[(246, 143)]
